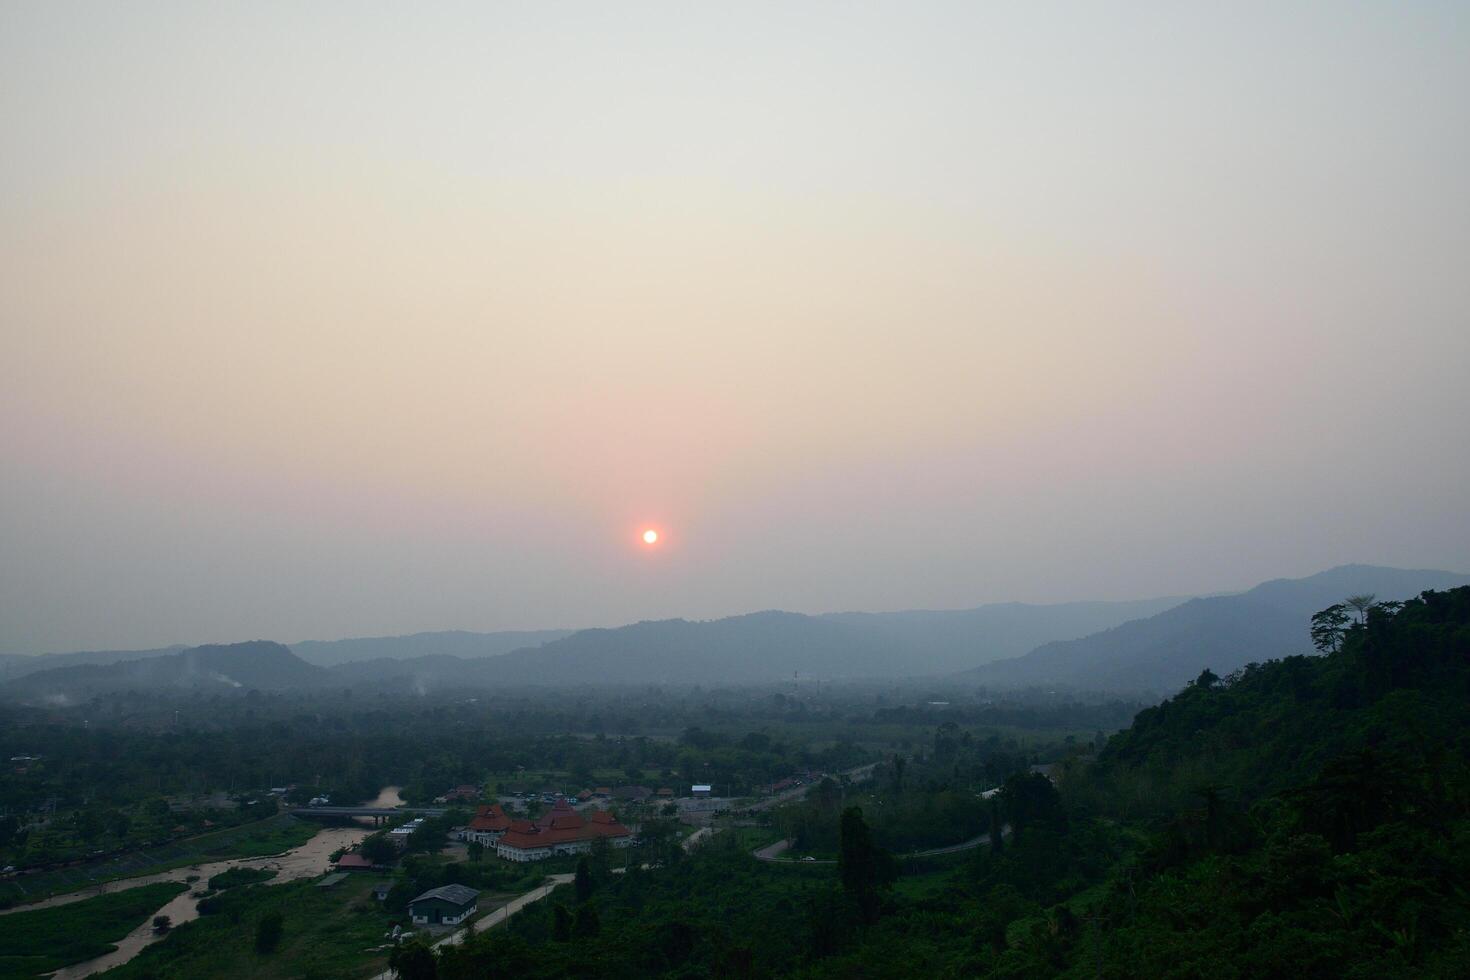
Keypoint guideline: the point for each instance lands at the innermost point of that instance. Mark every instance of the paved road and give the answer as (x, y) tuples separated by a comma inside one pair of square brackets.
[(856, 775), (693, 840), (497, 916), (773, 852)]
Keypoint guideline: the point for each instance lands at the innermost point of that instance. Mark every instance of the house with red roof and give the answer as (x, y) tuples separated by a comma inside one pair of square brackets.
[(488, 824), (353, 861), (561, 830), (461, 794)]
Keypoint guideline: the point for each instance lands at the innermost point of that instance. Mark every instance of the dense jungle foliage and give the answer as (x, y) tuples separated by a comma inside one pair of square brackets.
[(1307, 817)]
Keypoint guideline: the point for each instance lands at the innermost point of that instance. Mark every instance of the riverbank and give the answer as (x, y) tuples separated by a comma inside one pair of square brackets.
[(273, 835), (39, 941), (306, 860)]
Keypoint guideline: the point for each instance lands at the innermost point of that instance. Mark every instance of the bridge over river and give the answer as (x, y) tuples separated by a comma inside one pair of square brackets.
[(378, 814)]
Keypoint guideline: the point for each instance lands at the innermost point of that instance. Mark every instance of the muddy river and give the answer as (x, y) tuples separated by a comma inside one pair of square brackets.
[(306, 861)]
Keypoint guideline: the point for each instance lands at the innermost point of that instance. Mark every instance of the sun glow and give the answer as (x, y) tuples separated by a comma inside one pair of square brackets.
[(650, 536)]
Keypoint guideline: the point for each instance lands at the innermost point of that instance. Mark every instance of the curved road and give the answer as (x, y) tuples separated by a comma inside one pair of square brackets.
[(773, 852), (497, 916)]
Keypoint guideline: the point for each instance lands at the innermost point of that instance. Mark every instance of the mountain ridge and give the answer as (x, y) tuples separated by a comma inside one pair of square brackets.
[(253, 664), (1161, 653)]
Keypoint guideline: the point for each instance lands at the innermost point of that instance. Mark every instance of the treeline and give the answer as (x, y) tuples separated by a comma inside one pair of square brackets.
[(97, 789), (1044, 712), (1307, 818)]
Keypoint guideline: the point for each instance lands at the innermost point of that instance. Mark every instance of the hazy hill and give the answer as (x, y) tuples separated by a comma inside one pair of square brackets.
[(761, 646), (432, 670), (449, 643), (18, 665), (259, 664), (766, 646), (1163, 652), (882, 644), (953, 639)]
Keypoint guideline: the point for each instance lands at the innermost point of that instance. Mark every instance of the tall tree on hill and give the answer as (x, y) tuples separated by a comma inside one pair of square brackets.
[(862, 866), (583, 880), (1328, 627), (1030, 800), (1361, 604)]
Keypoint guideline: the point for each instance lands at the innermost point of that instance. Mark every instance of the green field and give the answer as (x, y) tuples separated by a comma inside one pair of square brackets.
[(328, 932), (270, 836), (43, 940)]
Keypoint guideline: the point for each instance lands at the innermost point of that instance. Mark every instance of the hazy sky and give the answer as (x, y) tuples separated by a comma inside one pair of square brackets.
[(327, 320)]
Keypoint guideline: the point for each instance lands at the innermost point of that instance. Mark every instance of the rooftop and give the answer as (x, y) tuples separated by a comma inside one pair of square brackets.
[(453, 894)]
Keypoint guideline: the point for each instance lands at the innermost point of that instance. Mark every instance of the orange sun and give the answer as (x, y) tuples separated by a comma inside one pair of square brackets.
[(650, 536)]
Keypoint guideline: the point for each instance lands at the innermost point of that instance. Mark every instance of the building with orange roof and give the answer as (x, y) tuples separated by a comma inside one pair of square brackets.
[(561, 830), (488, 824)]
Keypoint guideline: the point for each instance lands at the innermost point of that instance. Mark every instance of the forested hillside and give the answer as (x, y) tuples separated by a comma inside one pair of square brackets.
[(259, 664), (1163, 652), (1308, 817)]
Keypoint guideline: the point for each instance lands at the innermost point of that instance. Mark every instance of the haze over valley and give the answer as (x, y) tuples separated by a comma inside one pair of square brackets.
[(581, 490)]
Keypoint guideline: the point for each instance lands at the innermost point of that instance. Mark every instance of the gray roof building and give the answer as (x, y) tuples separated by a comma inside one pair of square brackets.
[(453, 894)]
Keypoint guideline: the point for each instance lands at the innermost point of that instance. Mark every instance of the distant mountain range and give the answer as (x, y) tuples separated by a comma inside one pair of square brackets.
[(938, 641), (1154, 645), (759, 647), (451, 643), (257, 665), (1163, 652), (18, 665), (323, 653)]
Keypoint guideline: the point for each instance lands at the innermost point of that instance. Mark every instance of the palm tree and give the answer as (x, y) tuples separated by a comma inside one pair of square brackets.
[(1361, 603)]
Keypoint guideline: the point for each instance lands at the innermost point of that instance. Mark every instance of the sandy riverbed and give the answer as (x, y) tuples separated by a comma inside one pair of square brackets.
[(306, 861)]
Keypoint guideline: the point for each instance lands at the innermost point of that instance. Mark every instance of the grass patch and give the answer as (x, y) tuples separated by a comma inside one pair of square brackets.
[(927, 886), (326, 932), (240, 876), (272, 836), (750, 838), (43, 940)]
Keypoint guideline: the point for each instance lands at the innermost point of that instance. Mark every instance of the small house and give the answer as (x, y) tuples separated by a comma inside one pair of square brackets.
[(448, 905), (400, 835), (353, 861)]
